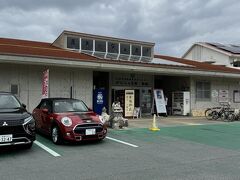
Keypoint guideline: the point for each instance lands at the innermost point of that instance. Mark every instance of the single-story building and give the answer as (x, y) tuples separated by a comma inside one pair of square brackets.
[(82, 64)]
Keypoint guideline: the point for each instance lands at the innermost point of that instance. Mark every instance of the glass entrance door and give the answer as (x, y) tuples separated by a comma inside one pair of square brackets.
[(146, 100)]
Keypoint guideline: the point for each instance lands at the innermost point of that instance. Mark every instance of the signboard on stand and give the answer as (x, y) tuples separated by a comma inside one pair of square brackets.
[(129, 103), (45, 84), (159, 101), (99, 100)]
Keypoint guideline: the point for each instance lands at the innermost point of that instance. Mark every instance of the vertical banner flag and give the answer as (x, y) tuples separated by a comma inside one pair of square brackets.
[(160, 101), (129, 103), (45, 83)]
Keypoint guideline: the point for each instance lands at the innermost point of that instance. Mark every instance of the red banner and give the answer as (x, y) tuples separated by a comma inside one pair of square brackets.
[(45, 81)]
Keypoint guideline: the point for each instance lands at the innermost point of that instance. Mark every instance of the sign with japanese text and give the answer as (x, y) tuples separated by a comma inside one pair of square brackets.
[(129, 103)]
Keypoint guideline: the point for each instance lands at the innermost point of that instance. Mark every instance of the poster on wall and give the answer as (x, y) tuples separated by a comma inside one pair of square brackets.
[(223, 96), (45, 84), (129, 103), (159, 101), (214, 93)]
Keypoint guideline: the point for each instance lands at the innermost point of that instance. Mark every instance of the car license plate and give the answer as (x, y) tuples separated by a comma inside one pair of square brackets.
[(90, 131), (6, 138)]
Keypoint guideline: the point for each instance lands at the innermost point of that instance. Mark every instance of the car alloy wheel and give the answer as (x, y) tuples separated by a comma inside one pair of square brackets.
[(56, 136)]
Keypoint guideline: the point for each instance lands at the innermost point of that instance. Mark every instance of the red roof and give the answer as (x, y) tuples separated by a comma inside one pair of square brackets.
[(39, 49), (46, 50), (199, 65)]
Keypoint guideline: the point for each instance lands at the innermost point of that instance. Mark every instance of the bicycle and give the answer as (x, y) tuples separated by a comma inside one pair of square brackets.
[(223, 112)]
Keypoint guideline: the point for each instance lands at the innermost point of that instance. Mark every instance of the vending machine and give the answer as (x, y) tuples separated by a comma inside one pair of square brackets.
[(181, 103)]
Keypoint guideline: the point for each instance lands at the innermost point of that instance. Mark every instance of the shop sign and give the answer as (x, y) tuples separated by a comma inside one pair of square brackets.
[(223, 96), (131, 80), (129, 103), (45, 84), (159, 101)]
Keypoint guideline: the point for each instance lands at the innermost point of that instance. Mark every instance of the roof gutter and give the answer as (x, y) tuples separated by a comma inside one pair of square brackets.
[(110, 66)]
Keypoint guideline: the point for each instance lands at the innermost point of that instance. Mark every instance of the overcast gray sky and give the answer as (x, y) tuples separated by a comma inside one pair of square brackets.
[(174, 25)]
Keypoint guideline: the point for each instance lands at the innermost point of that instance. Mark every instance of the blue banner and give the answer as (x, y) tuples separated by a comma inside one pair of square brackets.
[(99, 100)]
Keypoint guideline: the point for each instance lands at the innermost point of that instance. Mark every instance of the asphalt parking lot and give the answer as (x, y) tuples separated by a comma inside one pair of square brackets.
[(190, 149)]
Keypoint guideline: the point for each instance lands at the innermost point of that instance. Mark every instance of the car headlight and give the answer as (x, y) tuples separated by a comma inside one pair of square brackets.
[(66, 121), (29, 125)]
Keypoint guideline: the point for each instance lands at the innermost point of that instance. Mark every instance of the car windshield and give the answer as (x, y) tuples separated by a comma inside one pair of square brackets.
[(69, 105), (8, 102)]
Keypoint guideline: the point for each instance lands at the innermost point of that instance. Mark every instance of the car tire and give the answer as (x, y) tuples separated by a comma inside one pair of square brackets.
[(56, 135)]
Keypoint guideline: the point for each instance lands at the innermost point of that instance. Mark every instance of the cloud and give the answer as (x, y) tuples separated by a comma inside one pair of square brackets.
[(172, 25)]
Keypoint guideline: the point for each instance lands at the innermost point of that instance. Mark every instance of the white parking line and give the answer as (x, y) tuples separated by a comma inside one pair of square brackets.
[(126, 143), (187, 123), (50, 151), (194, 124)]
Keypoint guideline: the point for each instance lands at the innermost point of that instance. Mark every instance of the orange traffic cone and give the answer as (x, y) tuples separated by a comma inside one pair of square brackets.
[(154, 126)]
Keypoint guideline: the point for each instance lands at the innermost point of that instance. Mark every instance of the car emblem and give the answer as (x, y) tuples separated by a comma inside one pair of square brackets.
[(5, 124)]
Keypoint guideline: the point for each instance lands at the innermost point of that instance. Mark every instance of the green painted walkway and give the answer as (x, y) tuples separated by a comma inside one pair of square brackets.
[(219, 135)]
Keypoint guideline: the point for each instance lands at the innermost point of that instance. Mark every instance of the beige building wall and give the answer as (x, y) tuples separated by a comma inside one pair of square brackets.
[(198, 107), (29, 81)]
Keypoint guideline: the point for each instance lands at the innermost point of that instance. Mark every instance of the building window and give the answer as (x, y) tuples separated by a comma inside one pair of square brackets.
[(113, 47), (100, 46), (146, 51), (72, 43), (87, 44), (125, 49), (136, 50), (203, 91)]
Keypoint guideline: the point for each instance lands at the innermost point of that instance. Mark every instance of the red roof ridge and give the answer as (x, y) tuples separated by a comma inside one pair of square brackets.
[(22, 40), (38, 47)]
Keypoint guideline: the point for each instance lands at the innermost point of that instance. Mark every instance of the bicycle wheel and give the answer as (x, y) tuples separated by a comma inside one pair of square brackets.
[(215, 115), (209, 114), (225, 117), (231, 117)]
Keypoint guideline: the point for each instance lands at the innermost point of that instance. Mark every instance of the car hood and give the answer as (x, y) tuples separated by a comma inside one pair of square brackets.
[(88, 117), (13, 114)]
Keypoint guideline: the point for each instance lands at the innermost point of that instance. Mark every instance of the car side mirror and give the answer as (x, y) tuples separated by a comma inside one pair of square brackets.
[(45, 110), (24, 106)]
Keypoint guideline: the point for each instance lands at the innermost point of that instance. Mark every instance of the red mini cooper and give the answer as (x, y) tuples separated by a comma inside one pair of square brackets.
[(68, 119)]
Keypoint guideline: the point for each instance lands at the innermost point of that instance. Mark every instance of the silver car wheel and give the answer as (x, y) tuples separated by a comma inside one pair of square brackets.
[(55, 134)]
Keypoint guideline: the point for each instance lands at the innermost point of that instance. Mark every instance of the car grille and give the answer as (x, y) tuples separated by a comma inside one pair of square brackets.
[(12, 122), (80, 129), (15, 130)]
